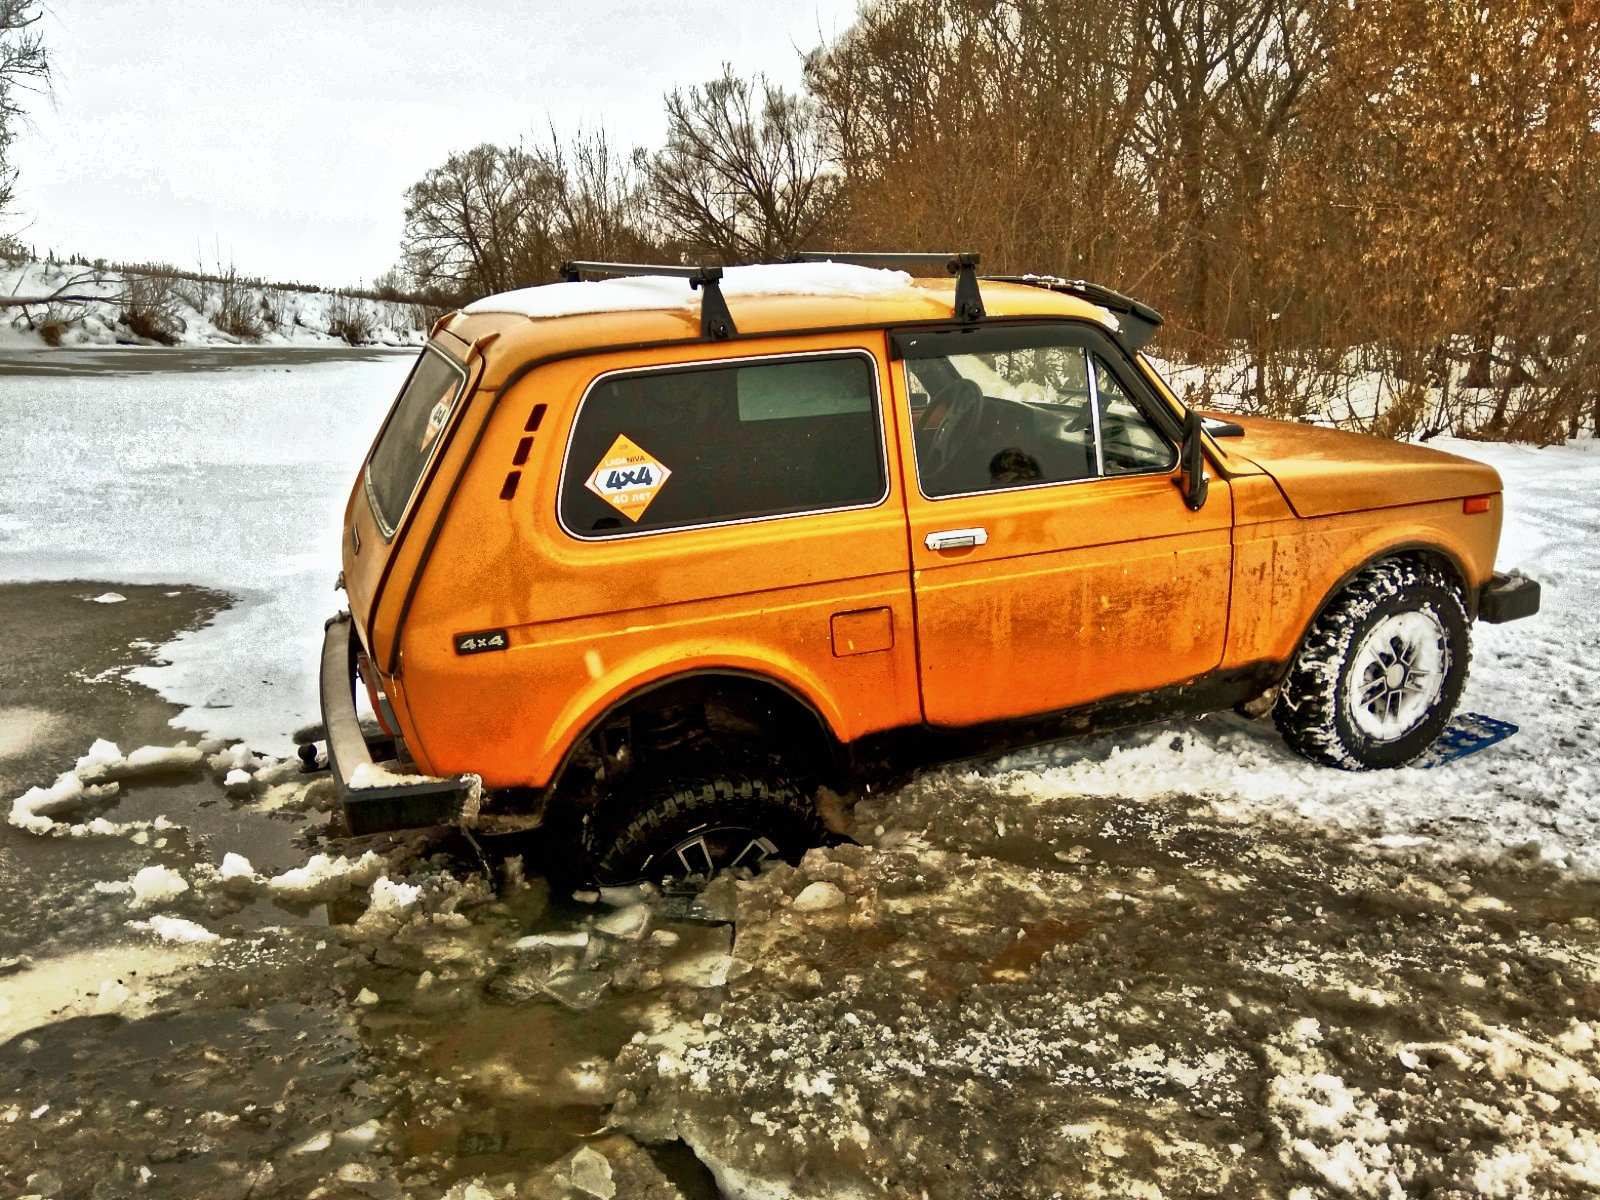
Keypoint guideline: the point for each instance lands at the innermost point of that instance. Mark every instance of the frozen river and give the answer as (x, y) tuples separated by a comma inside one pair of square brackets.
[(1170, 962)]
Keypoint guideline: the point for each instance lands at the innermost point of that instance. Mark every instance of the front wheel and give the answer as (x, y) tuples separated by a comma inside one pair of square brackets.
[(689, 830), (1379, 675)]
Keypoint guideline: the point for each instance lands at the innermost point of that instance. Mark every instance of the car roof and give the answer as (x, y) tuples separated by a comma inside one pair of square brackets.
[(565, 318)]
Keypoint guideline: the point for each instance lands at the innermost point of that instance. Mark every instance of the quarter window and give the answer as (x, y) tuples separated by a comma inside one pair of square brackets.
[(705, 445), (411, 435)]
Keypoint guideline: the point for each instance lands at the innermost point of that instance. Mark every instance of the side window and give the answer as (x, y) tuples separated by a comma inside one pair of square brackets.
[(703, 445), (1020, 408), (1129, 442)]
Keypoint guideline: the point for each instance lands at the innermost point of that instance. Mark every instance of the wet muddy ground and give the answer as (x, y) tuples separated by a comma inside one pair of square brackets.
[(991, 995)]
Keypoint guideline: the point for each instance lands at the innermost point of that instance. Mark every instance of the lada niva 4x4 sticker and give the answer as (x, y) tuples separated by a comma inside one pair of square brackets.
[(628, 478)]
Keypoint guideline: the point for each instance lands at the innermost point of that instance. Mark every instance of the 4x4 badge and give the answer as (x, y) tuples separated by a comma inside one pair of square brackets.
[(628, 478)]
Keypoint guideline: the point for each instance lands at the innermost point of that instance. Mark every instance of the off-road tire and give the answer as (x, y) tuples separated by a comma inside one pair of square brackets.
[(642, 840), (1317, 710)]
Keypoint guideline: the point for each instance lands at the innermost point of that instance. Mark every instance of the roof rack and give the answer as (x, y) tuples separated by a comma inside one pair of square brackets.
[(716, 322), (1143, 319), (964, 266)]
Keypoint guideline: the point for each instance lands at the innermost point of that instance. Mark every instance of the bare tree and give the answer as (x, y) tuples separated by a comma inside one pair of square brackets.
[(603, 208), (24, 67), (483, 222), (742, 175)]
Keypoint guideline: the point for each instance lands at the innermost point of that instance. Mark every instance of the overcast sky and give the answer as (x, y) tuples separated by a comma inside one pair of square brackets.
[(282, 133)]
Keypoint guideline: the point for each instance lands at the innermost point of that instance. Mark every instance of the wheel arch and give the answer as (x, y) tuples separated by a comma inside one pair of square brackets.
[(1430, 554), (785, 709)]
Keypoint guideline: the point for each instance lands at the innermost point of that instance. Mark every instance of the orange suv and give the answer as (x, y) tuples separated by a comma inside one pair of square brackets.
[(646, 560)]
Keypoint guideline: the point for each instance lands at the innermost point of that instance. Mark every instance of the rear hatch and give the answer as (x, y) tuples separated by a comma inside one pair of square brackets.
[(398, 469)]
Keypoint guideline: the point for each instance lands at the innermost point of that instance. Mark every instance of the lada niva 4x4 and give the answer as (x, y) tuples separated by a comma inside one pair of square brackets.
[(649, 561)]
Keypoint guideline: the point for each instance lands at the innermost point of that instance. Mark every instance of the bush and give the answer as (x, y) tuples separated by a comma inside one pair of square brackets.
[(350, 320), (51, 332), (150, 309)]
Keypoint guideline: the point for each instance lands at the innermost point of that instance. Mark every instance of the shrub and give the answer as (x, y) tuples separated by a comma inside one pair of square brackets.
[(150, 309), (350, 320)]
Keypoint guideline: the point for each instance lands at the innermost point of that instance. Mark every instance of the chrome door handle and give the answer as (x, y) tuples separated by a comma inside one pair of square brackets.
[(956, 539)]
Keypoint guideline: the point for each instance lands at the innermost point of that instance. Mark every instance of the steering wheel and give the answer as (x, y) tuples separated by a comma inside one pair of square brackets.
[(963, 402)]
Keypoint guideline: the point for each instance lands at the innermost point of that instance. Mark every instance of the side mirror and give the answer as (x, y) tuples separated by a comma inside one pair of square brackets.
[(1192, 479)]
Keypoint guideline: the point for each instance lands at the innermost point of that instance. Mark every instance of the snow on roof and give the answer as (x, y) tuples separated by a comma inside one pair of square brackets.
[(636, 293)]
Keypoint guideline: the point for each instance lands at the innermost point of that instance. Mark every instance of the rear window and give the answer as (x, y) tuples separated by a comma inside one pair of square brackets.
[(707, 445), (411, 435)]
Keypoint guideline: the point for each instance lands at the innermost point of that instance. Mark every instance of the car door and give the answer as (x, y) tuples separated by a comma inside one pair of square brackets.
[(1054, 561)]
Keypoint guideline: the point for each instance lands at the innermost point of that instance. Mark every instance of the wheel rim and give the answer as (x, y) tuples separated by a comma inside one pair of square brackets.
[(706, 851), (1398, 674)]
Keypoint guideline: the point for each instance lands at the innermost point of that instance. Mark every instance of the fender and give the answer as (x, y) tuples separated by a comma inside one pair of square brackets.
[(626, 681)]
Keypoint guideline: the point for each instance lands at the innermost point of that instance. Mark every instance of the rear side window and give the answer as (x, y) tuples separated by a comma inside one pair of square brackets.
[(707, 445), (411, 435)]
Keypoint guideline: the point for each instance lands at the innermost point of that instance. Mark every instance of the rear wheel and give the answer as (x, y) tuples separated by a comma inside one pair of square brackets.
[(1381, 671), (687, 831)]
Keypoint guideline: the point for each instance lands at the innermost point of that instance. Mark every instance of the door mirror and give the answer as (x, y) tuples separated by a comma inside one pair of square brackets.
[(1192, 479)]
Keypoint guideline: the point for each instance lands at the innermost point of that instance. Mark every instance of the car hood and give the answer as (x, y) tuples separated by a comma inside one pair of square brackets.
[(1327, 471)]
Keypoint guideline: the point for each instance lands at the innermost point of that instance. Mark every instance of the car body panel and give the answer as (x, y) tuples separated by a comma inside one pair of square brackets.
[(1313, 465)]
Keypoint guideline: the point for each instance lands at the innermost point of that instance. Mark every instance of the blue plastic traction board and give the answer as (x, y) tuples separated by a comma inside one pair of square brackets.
[(1466, 734)]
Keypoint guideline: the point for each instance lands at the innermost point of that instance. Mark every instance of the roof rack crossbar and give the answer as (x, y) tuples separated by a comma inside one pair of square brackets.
[(716, 322), (964, 266)]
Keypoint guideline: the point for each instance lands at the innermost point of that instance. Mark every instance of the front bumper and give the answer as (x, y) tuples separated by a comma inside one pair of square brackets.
[(1508, 598), (387, 796)]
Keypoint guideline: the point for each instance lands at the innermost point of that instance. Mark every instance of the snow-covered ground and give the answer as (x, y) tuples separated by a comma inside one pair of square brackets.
[(234, 479), (192, 312)]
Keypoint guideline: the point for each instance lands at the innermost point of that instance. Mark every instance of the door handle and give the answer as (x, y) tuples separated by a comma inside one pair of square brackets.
[(956, 539)]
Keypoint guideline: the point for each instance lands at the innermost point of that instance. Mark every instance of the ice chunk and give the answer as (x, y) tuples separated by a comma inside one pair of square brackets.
[(575, 940), (176, 929), (589, 1172), (34, 809), (237, 781), (157, 884), (387, 896), (629, 924), (109, 598), (816, 897), (101, 755), (151, 760), (323, 877)]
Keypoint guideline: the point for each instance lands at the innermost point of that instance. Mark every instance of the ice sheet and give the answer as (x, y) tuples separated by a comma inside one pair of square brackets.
[(231, 479)]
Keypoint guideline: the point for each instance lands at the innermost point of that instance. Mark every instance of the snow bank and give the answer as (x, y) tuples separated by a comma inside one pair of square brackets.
[(192, 312)]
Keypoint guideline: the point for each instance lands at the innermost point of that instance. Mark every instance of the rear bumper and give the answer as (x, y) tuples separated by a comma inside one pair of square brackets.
[(1508, 598), (409, 801)]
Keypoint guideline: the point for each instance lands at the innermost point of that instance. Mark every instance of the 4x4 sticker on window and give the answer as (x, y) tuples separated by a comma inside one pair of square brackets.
[(436, 420), (628, 478)]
